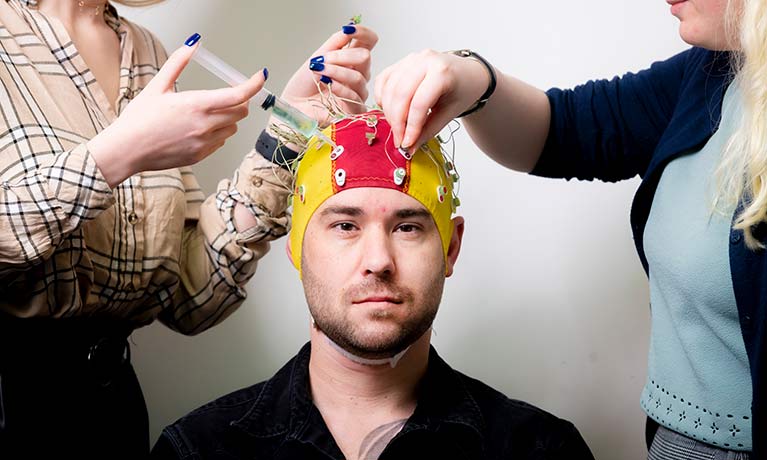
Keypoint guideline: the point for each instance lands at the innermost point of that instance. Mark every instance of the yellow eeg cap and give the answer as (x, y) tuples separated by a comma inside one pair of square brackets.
[(365, 156)]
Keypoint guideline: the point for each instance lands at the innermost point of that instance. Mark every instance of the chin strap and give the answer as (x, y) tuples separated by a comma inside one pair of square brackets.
[(365, 361)]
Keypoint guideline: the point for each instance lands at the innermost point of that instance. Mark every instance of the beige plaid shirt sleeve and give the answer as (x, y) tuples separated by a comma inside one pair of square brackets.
[(152, 247)]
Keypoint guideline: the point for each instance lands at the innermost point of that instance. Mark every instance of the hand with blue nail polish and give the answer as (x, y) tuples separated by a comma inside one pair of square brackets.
[(340, 65), (194, 123)]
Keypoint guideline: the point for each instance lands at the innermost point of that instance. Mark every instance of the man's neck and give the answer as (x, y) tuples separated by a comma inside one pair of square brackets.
[(356, 400)]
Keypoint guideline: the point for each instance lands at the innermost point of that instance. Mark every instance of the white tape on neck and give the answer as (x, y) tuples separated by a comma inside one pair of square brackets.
[(366, 361)]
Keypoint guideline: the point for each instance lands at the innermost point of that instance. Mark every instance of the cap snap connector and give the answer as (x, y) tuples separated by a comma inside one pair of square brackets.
[(399, 176), (340, 177), (337, 152)]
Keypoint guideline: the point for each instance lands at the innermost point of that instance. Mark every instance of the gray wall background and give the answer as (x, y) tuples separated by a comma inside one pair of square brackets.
[(548, 304)]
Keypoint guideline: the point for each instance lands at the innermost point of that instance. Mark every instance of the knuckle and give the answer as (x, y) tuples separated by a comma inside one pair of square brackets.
[(199, 146), (427, 53), (199, 130), (373, 38), (193, 106), (440, 67), (401, 93), (418, 106), (363, 54), (358, 80)]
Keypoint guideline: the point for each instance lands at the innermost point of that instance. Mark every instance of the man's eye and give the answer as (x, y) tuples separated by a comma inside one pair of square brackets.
[(345, 226), (407, 228)]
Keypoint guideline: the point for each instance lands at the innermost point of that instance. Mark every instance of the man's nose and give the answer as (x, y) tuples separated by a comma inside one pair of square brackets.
[(378, 254)]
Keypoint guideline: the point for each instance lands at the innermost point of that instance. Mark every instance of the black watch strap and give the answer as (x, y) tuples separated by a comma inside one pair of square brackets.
[(269, 147), (490, 87)]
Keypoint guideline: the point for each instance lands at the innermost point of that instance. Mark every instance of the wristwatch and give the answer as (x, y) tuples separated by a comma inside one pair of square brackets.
[(269, 148), (467, 53)]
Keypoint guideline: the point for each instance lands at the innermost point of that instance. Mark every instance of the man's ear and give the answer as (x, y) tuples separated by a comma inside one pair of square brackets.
[(455, 244)]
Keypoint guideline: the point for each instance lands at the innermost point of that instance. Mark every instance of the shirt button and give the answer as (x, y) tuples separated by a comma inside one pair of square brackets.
[(132, 218), (257, 181), (735, 237)]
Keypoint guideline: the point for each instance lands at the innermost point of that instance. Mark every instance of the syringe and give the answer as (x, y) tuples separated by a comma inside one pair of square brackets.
[(286, 113)]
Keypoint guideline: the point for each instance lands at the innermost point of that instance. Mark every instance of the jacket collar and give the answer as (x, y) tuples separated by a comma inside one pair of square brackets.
[(285, 408)]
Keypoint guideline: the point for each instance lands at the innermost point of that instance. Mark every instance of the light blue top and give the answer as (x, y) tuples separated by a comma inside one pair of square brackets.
[(698, 381)]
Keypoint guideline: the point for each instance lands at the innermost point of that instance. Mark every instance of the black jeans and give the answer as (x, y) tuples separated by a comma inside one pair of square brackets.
[(68, 390)]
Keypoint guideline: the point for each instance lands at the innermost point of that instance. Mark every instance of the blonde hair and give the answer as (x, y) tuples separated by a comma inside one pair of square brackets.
[(137, 2), (742, 173)]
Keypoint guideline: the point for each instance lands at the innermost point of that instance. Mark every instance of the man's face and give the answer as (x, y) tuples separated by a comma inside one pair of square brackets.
[(373, 270)]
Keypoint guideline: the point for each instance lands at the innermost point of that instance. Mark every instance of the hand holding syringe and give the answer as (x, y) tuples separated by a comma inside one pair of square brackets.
[(286, 113)]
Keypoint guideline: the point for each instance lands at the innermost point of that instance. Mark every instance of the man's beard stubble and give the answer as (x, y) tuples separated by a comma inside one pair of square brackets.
[(340, 330)]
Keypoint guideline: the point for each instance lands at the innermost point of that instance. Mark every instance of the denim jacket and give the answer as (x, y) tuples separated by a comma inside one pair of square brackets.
[(456, 417)]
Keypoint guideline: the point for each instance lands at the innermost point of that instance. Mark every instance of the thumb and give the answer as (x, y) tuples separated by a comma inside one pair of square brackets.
[(176, 63)]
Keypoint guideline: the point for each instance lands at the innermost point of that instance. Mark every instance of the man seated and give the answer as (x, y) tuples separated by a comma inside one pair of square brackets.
[(373, 241)]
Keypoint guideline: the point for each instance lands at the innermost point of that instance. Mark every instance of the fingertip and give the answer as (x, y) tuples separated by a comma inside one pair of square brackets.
[(192, 40), (259, 77), (183, 52), (251, 87), (397, 133), (408, 139)]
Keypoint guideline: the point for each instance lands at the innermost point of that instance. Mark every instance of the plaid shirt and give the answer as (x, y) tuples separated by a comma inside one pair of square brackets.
[(152, 247)]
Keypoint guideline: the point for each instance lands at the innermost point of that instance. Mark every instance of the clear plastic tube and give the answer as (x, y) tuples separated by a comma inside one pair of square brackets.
[(265, 99)]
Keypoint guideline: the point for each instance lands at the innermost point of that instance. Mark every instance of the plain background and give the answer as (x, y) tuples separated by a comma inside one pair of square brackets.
[(548, 303)]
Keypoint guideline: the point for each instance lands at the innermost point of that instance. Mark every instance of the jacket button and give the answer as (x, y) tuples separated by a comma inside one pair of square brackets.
[(735, 237), (132, 218)]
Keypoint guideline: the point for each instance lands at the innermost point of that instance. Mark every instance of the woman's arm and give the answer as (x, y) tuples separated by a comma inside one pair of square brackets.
[(424, 91)]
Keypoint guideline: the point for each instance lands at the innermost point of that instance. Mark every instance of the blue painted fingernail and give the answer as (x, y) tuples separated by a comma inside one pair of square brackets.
[(349, 29), (194, 38), (266, 73), (317, 59), (325, 79), (316, 66)]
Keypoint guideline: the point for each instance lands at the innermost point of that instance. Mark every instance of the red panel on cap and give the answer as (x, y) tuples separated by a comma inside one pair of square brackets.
[(368, 165)]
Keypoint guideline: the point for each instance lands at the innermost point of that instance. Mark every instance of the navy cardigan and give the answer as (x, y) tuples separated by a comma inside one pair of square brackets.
[(635, 125)]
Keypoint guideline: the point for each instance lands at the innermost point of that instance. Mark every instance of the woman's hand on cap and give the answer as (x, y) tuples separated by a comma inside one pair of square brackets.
[(421, 93)]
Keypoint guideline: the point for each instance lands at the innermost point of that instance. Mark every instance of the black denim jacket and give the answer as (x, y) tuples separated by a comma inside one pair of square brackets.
[(457, 417)]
